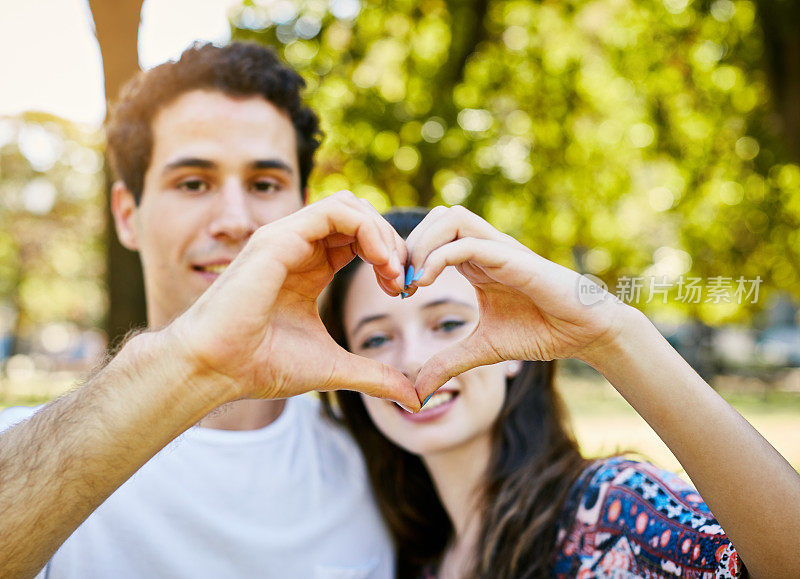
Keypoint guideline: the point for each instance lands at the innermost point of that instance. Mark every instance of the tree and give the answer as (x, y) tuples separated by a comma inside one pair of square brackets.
[(779, 21), (51, 243), (621, 138), (117, 30)]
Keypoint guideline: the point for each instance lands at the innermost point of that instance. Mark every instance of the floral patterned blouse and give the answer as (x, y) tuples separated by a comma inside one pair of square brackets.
[(628, 519), (624, 519)]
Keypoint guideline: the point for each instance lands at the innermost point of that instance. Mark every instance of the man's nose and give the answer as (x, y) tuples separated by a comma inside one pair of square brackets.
[(233, 213)]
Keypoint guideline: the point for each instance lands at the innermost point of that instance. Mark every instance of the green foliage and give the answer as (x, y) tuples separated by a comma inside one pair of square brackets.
[(52, 254), (613, 136)]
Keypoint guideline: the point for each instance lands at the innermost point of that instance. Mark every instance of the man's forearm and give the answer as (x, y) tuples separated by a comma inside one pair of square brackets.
[(57, 467)]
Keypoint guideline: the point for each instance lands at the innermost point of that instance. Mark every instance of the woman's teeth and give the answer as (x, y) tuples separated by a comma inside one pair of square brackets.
[(438, 399)]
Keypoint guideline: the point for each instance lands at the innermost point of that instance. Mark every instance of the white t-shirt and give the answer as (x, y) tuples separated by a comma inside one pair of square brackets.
[(288, 500)]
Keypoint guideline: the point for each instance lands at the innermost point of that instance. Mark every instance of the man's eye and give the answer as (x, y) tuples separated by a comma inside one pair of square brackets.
[(450, 325), (374, 342), (194, 185), (265, 186)]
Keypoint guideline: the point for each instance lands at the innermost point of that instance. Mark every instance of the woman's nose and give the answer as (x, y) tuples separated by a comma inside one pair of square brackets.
[(413, 355)]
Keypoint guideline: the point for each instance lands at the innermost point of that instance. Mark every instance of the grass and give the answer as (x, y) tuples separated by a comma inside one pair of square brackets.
[(35, 388), (605, 423)]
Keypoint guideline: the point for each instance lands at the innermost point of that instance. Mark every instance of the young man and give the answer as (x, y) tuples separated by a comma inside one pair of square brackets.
[(135, 474)]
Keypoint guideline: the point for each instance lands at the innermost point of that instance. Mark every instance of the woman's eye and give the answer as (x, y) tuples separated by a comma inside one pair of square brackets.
[(194, 185), (374, 342), (450, 325)]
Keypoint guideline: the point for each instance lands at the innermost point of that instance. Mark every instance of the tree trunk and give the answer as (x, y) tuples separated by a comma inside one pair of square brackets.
[(117, 30), (779, 23), (468, 29)]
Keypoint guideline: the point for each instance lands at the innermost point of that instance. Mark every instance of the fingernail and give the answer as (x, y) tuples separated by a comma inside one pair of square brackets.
[(417, 275), (403, 295), (406, 408), (428, 398), (409, 275)]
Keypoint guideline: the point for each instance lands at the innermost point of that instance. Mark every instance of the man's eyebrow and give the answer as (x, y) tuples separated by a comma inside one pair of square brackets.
[(189, 162), (271, 164), (432, 304), (206, 164)]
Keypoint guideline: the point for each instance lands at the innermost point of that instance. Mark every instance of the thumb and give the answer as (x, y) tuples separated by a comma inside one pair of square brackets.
[(353, 372), (469, 353)]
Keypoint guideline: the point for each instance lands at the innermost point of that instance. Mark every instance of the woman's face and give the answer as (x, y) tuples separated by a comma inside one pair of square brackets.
[(406, 333)]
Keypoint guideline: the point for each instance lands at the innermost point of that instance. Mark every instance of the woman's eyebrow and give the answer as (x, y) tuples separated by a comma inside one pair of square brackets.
[(367, 320), (432, 304), (447, 301)]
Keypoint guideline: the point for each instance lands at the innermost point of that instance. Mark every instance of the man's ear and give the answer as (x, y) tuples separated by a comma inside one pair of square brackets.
[(123, 207)]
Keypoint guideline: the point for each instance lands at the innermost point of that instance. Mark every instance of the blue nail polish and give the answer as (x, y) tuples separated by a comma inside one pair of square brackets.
[(417, 275), (428, 398), (409, 275), (403, 295)]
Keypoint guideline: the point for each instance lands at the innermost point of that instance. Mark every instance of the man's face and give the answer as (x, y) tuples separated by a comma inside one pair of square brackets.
[(220, 168)]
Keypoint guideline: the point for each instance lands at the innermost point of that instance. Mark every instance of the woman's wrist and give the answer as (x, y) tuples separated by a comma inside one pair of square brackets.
[(627, 335)]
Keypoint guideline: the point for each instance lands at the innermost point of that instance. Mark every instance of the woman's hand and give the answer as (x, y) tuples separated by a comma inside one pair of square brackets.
[(529, 307), (256, 329)]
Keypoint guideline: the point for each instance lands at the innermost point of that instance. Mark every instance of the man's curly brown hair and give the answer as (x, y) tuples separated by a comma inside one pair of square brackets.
[(238, 70)]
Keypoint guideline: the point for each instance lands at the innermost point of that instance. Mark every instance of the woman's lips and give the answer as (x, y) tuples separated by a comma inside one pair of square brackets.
[(428, 414), (207, 275)]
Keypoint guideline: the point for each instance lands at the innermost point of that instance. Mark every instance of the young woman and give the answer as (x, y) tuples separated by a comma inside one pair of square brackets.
[(487, 480)]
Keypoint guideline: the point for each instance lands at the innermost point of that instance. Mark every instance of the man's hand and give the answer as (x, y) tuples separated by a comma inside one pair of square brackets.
[(257, 330)]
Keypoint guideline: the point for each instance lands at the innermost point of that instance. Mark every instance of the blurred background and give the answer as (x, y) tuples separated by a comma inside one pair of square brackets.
[(653, 144)]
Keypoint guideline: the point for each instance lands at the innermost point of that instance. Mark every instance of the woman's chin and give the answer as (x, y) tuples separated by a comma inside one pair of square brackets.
[(440, 428), (428, 441)]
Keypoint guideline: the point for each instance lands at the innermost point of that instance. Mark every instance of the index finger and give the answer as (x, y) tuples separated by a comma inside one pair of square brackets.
[(392, 239), (341, 214), (443, 225)]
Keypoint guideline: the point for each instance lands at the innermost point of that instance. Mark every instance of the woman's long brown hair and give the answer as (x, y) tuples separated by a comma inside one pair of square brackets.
[(535, 460)]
